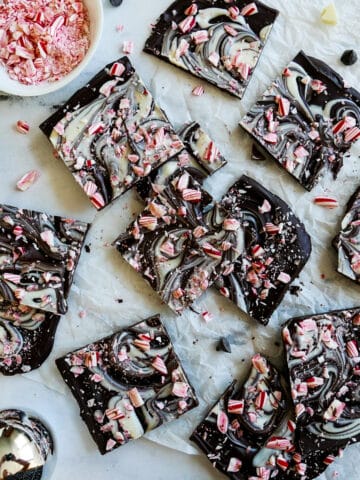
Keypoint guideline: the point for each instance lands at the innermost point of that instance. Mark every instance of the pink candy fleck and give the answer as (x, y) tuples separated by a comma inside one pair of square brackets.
[(27, 180), (128, 47), (42, 40)]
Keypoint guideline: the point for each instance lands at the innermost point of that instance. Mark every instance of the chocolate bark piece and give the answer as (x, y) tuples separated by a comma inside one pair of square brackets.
[(39, 255), (256, 155), (276, 249), (217, 40), (201, 158), (307, 120), (347, 242), (323, 363), (111, 133), (248, 433), (181, 242), (202, 147), (128, 383), (26, 338)]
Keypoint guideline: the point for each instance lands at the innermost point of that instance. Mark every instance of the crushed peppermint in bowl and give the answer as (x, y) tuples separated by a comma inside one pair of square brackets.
[(45, 44)]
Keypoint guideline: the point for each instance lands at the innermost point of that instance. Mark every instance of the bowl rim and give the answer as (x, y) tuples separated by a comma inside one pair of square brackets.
[(18, 89)]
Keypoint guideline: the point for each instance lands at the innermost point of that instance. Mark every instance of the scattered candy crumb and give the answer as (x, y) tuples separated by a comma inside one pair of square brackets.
[(27, 180), (198, 91), (82, 313), (128, 47), (207, 316), (22, 127), (326, 202)]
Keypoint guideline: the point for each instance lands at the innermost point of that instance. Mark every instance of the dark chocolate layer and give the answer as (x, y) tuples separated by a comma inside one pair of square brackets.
[(348, 240), (39, 255), (215, 40), (111, 133), (276, 249), (323, 362), (200, 159), (128, 383), (26, 338), (249, 432), (307, 120), (179, 243)]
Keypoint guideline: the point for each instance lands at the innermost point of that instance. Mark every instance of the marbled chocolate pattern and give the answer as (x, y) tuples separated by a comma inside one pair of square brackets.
[(178, 244), (235, 434), (201, 159), (276, 243), (237, 40), (111, 134), (128, 383), (26, 337), (321, 123), (38, 257), (323, 362), (347, 243)]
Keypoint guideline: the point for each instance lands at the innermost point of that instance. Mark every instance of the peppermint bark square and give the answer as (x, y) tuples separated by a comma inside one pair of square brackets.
[(276, 248), (324, 364), (249, 431), (39, 255), (202, 148), (219, 41), (307, 120), (128, 383), (200, 158), (181, 242), (348, 241), (111, 133), (26, 337)]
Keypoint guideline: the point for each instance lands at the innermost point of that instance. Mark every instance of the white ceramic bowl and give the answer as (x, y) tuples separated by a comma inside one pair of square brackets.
[(96, 19)]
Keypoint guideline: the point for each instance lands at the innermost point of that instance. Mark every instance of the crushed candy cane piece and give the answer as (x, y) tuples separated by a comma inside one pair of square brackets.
[(327, 202), (207, 316), (27, 180), (222, 422), (234, 465), (42, 45), (198, 91), (22, 127), (250, 9), (128, 47)]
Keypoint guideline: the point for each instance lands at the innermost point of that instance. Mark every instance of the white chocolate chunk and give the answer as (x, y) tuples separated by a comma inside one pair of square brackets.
[(329, 15)]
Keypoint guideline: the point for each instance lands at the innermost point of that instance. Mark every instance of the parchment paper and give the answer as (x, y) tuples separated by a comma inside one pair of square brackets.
[(103, 277)]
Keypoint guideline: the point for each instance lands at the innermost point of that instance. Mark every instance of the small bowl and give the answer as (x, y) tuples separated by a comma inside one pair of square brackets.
[(96, 20)]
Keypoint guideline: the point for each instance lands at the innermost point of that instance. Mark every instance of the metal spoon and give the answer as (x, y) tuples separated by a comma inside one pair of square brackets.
[(26, 447)]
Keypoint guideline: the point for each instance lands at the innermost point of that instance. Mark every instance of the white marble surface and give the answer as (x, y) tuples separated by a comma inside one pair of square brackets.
[(102, 276)]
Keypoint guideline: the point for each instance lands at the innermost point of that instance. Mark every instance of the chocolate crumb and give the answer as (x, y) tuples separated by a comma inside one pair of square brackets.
[(349, 57), (256, 155), (224, 344), (295, 289), (116, 3), (87, 248)]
